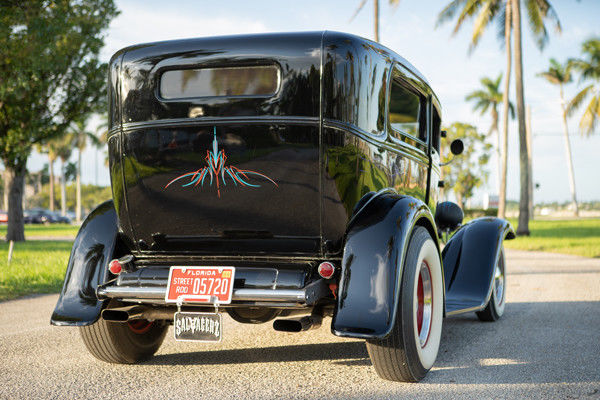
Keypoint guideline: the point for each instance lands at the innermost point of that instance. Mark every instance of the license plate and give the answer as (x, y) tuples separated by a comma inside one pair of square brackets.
[(212, 285), (197, 327)]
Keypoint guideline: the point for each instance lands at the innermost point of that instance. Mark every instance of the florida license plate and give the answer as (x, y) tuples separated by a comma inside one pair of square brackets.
[(213, 285), (197, 327)]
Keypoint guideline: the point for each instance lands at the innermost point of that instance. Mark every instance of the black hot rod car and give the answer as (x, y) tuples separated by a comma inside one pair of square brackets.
[(283, 177)]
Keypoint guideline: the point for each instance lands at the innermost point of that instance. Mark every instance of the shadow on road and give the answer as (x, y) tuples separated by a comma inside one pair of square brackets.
[(353, 353), (545, 342)]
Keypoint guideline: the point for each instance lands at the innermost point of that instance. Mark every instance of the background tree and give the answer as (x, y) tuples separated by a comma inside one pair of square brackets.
[(467, 171), (589, 68), (560, 75), (49, 75), (49, 148), (486, 100), (80, 138), (64, 151), (394, 3), (507, 13)]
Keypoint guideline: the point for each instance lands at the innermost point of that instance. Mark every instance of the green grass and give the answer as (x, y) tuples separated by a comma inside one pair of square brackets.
[(49, 231), (36, 267), (576, 236)]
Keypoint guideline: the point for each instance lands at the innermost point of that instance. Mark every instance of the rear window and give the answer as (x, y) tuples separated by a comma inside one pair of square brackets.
[(226, 82)]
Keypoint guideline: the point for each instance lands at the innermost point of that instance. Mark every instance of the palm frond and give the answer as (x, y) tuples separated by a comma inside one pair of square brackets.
[(449, 11), (486, 14), (470, 9), (360, 7), (590, 117), (536, 23), (579, 98)]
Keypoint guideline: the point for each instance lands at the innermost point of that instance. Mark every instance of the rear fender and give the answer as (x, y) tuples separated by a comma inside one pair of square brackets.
[(92, 250), (376, 241), (469, 259)]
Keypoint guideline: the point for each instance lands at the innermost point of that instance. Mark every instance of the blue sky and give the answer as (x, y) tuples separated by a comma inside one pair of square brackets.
[(409, 30)]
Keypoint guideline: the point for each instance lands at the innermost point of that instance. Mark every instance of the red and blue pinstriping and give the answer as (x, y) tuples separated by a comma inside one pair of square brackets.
[(217, 171)]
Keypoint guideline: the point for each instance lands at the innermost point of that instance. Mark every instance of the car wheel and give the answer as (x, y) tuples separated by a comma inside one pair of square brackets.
[(410, 350), (123, 342), (495, 307)]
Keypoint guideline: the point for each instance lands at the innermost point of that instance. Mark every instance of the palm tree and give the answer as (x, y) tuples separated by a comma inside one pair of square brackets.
[(394, 3), (508, 15), (49, 148), (64, 150), (589, 68), (486, 99), (560, 75), (80, 138)]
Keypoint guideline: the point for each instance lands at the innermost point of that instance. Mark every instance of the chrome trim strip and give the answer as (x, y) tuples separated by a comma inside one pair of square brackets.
[(158, 293)]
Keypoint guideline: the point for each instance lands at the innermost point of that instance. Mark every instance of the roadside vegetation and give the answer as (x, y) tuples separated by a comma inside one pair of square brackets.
[(36, 231), (573, 236), (36, 267)]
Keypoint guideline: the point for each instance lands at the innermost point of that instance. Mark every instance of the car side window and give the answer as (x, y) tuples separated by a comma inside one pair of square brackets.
[(435, 130), (407, 111)]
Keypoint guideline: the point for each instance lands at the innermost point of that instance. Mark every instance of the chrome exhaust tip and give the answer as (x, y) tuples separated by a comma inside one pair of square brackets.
[(297, 324)]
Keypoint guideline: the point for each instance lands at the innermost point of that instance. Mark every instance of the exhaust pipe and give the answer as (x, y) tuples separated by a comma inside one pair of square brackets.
[(124, 314), (297, 324)]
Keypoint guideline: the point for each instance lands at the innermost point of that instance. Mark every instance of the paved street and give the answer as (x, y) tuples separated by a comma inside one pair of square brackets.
[(546, 346)]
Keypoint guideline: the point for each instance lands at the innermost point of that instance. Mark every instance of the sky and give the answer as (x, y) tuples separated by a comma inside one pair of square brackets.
[(409, 29)]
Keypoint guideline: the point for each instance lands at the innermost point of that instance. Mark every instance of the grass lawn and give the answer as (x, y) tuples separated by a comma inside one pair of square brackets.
[(579, 237), (46, 231), (36, 267)]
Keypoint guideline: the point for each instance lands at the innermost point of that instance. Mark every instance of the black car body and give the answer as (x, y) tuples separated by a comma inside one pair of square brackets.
[(274, 153)]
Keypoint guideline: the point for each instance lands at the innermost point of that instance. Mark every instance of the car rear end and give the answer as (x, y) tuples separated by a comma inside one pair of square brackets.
[(215, 170)]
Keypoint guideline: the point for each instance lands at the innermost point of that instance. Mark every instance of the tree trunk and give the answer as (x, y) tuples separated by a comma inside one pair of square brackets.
[(376, 22), (51, 170), (5, 192), (568, 154), (63, 189), (505, 103), (530, 163), (16, 178), (78, 184), (523, 225), (494, 129)]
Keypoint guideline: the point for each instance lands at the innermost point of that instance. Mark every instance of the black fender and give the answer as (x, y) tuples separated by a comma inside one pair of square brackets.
[(469, 259), (376, 241), (93, 248)]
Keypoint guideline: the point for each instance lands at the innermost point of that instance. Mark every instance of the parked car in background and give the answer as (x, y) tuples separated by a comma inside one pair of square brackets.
[(40, 216), (3, 217), (61, 219)]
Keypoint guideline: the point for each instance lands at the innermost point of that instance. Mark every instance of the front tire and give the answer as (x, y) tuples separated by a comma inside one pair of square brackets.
[(123, 342), (495, 307), (410, 350)]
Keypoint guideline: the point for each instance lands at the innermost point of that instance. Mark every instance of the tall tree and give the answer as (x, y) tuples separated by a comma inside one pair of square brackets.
[(589, 68), (394, 3), (486, 100), (64, 150), (485, 11), (466, 171), (49, 75), (49, 149), (80, 138), (560, 75)]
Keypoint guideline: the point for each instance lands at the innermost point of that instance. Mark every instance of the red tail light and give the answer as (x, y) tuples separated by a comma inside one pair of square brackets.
[(326, 269), (115, 267)]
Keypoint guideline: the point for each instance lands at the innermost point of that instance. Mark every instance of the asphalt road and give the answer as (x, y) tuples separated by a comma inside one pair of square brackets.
[(547, 345)]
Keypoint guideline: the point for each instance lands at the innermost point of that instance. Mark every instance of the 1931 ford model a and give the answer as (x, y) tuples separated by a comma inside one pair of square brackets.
[(277, 176)]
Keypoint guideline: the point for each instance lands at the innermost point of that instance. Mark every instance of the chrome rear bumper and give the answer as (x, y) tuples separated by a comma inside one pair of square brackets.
[(280, 298)]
